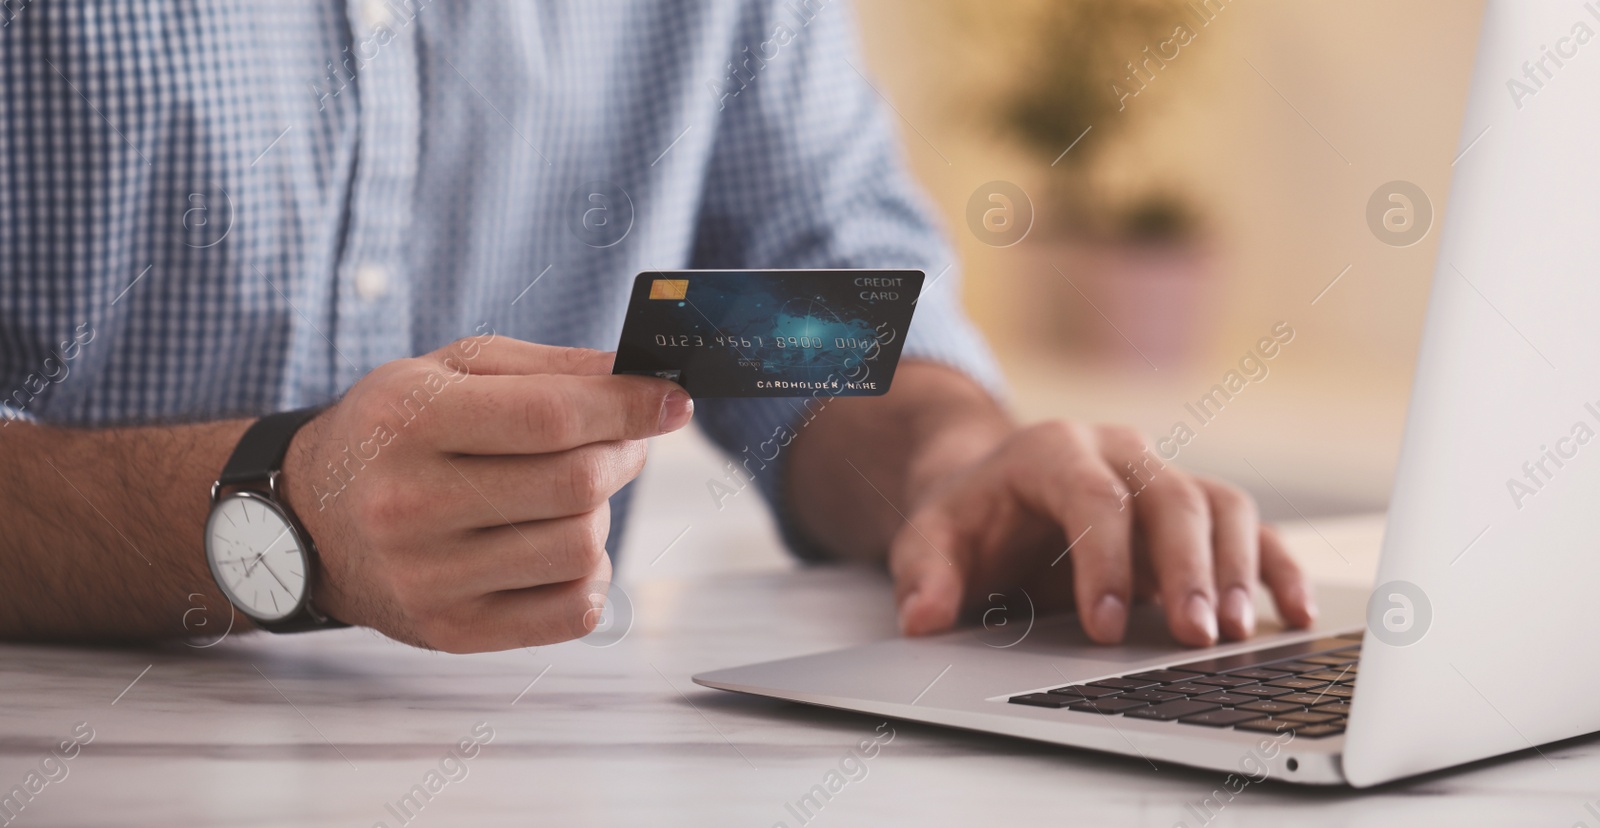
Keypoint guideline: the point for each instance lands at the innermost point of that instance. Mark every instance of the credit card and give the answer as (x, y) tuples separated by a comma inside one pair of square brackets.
[(769, 333)]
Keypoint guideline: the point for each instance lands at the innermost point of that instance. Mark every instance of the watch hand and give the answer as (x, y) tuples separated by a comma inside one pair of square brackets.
[(275, 576), (263, 553)]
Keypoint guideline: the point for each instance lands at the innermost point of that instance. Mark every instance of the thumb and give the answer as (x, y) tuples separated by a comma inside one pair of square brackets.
[(928, 584)]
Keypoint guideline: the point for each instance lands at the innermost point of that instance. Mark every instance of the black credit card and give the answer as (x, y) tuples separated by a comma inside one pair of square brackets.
[(769, 333)]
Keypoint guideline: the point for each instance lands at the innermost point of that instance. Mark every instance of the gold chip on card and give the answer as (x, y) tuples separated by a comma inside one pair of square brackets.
[(669, 289)]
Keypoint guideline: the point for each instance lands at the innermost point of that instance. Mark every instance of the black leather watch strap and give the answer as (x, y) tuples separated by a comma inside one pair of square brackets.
[(261, 449)]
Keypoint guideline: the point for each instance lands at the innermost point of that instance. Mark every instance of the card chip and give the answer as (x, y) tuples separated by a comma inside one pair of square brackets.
[(669, 289)]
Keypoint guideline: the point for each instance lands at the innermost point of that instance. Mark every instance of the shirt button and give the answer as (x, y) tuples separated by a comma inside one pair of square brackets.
[(376, 13), (372, 281)]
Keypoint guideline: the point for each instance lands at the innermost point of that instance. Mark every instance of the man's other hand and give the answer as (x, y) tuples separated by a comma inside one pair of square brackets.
[(1138, 528)]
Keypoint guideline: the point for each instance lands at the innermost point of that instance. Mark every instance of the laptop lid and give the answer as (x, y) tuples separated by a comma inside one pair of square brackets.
[(1483, 625)]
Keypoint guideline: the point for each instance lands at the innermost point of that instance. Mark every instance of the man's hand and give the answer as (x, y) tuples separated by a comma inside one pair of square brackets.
[(968, 505), (1137, 528), (459, 499)]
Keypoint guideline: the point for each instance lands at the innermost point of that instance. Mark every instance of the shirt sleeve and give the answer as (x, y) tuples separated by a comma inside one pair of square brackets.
[(10, 413), (806, 173)]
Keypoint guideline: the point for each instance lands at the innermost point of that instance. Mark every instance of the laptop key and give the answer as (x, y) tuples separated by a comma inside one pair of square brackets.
[(1188, 688), (1044, 700), (1259, 658), (1260, 691), (1307, 699), (1297, 683), (1152, 696), (1222, 718), (1295, 666), (1339, 708), (1318, 731), (1331, 660), (1223, 697), (1267, 725), (1164, 676), (1084, 691), (1124, 683), (1308, 717), (1260, 674), (1338, 691), (1271, 706), (1171, 710), (1334, 674), (1224, 681), (1107, 707)]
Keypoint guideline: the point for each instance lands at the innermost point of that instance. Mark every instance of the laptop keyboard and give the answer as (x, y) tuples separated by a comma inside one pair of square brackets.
[(1305, 688)]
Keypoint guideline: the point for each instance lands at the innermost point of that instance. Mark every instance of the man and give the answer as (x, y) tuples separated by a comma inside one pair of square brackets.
[(214, 210)]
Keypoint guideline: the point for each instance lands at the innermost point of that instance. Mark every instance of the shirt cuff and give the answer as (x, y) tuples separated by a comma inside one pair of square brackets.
[(758, 433)]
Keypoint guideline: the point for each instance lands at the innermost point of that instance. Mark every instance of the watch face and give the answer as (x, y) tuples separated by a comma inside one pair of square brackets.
[(256, 556)]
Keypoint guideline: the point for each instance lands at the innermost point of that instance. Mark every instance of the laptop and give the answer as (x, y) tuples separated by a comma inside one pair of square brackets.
[(1479, 638)]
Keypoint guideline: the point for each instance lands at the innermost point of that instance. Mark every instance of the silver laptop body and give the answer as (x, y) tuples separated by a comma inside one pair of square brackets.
[(1490, 570)]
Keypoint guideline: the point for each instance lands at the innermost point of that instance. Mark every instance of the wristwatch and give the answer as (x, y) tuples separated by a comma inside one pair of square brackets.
[(260, 555)]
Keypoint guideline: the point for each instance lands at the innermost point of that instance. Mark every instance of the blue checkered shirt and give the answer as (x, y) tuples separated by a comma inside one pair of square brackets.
[(214, 208)]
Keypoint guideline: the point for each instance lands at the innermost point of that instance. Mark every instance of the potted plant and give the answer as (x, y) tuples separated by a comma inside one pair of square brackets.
[(1132, 259)]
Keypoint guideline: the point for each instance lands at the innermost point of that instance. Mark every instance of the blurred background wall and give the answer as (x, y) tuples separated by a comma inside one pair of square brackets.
[(1227, 194), (1191, 219)]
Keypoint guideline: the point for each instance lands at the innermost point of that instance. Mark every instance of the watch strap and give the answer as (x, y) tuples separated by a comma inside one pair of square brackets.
[(260, 451)]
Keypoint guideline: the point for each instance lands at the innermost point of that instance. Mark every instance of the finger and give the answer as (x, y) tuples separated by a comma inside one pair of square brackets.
[(1060, 472), (529, 617), (494, 491), (553, 412), (489, 354), (1291, 590), (1176, 518), (929, 584), (1235, 535), (524, 555)]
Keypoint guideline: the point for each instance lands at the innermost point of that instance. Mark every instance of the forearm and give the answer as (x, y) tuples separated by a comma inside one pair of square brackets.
[(861, 466), (104, 530)]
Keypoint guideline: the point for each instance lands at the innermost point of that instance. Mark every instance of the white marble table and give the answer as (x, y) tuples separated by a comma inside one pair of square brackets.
[(334, 729)]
